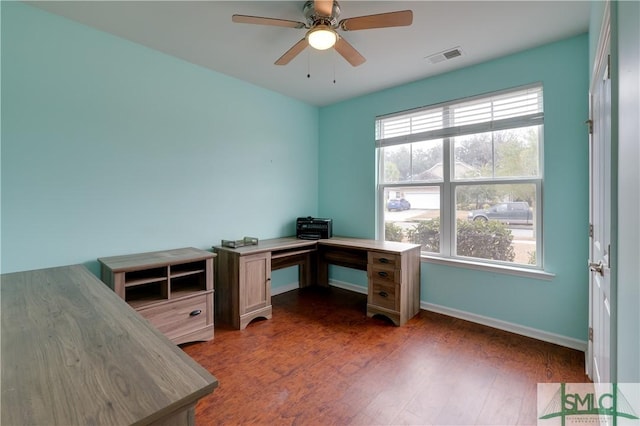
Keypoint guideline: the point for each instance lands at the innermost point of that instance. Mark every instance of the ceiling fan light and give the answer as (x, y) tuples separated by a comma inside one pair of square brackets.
[(322, 37)]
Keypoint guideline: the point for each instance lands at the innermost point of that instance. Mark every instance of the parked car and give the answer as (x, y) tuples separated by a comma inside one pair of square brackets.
[(398, 204), (514, 213)]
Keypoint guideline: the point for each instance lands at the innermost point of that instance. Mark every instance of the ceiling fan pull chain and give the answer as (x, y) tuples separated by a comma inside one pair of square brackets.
[(333, 62), (308, 65)]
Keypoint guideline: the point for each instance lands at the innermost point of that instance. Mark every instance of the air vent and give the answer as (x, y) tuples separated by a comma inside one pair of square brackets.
[(452, 53), (445, 55)]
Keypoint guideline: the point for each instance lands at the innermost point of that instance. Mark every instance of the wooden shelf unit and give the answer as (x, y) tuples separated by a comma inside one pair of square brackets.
[(173, 289)]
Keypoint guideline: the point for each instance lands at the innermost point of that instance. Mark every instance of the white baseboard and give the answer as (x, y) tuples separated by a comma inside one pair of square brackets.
[(348, 286), (534, 333), (284, 288)]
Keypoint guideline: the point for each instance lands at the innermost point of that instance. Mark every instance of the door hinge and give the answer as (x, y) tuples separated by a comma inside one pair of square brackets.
[(591, 230), (589, 124), (591, 334), (608, 67)]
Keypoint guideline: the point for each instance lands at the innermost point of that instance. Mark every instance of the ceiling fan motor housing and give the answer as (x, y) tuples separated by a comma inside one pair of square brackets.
[(313, 18)]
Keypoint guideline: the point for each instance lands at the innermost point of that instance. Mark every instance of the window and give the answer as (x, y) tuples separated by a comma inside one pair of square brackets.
[(464, 178)]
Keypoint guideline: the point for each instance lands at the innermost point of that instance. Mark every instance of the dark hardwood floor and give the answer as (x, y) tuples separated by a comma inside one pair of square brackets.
[(321, 361)]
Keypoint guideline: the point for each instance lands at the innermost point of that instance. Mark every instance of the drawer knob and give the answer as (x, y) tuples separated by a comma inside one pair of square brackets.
[(383, 274), (195, 313), (384, 294), (384, 260)]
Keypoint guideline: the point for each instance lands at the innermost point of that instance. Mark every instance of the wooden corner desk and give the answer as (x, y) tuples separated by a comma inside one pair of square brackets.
[(243, 275)]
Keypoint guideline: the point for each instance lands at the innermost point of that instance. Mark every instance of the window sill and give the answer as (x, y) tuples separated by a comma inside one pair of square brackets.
[(500, 269)]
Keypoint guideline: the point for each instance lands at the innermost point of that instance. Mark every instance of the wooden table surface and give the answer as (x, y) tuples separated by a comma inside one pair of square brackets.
[(74, 353), (285, 243), (367, 244)]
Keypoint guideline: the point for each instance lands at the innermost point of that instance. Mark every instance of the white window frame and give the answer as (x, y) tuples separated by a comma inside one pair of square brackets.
[(448, 185)]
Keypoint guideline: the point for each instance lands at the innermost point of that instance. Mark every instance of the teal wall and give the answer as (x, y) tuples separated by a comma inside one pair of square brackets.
[(347, 185), (111, 148)]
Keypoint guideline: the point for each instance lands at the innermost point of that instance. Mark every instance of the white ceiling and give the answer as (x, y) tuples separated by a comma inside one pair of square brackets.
[(201, 32)]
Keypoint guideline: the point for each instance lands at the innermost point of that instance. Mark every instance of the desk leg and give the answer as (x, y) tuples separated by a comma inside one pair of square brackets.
[(307, 270), (323, 271)]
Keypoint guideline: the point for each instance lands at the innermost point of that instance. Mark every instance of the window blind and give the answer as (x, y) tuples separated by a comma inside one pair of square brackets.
[(504, 110)]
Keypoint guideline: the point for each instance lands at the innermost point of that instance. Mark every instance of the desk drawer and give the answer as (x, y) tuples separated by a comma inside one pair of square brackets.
[(180, 317), (383, 273), (388, 259), (384, 294)]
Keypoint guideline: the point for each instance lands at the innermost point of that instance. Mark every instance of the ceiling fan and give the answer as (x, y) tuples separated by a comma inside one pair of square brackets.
[(322, 22)]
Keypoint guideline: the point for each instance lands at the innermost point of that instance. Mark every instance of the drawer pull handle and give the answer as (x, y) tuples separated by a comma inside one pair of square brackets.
[(384, 294), (383, 274), (384, 260), (195, 313)]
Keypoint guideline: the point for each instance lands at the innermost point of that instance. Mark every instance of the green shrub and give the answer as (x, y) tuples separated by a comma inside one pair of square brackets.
[(485, 240), (427, 233), (393, 232)]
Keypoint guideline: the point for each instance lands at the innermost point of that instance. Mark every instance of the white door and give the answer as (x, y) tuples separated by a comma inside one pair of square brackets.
[(598, 357)]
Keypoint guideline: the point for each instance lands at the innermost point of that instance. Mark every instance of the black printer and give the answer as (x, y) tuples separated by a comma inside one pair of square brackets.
[(313, 228)]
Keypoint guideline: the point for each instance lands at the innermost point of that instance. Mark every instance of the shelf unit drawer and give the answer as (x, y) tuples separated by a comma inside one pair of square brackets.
[(179, 317)]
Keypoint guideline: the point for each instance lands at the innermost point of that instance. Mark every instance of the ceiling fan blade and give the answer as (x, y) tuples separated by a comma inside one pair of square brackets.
[(293, 52), (349, 52), (323, 7), (260, 20), (401, 18)]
